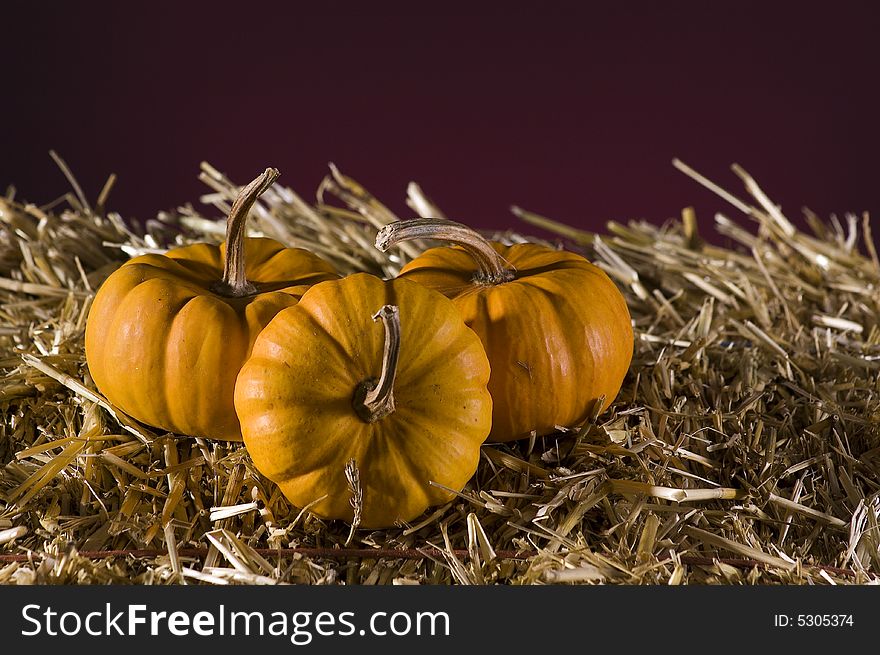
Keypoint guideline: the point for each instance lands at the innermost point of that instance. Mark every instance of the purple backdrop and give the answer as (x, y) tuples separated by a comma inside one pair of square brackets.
[(575, 113)]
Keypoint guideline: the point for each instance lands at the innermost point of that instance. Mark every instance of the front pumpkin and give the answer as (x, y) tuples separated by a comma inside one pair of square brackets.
[(555, 327), (406, 401), (167, 334)]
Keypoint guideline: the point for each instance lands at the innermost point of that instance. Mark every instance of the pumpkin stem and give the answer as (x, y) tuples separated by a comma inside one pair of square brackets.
[(493, 268), (374, 399), (234, 282)]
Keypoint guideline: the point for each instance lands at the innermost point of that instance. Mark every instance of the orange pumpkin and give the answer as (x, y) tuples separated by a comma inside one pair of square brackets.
[(555, 327), (405, 401), (167, 334)]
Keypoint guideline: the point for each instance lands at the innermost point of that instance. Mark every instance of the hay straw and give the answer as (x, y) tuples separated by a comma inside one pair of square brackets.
[(744, 446)]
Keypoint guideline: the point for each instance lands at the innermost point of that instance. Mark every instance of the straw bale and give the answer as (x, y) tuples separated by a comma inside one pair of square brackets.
[(744, 447)]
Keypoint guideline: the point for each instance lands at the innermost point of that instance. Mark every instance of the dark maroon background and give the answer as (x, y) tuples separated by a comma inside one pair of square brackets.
[(569, 111)]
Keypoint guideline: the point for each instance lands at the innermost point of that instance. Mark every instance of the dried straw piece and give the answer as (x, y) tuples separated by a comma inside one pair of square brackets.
[(11, 534), (740, 549)]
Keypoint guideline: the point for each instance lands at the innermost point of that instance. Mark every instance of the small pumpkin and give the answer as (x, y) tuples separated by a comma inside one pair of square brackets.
[(167, 334), (405, 401), (555, 327)]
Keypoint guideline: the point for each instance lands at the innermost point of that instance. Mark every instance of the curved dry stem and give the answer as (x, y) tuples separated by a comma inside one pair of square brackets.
[(492, 267), (374, 399), (234, 282)]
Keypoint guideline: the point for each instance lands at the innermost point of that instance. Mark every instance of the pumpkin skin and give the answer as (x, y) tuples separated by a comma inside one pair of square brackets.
[(295, 394), (165, 347), (557, 332)]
